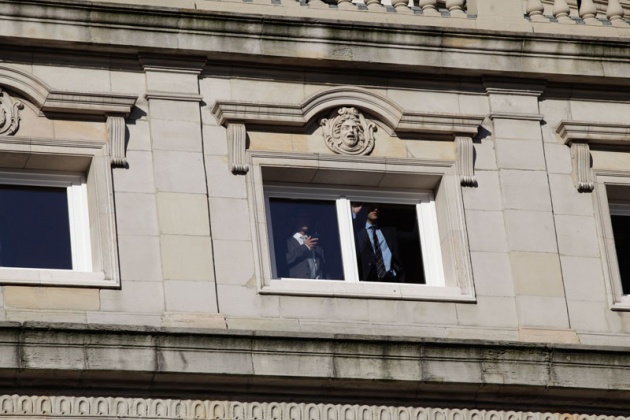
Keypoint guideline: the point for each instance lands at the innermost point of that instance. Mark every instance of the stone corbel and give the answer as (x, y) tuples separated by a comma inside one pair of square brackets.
[(116, 132), (237, 146), (465, 160), (582, 172), (581, 136)]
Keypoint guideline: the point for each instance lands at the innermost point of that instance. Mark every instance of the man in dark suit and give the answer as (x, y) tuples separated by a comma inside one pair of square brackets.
[(305, 259), (377, 247)]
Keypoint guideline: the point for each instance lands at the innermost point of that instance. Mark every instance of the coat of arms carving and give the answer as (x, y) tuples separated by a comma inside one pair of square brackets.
[(9, 114), (348, 132)]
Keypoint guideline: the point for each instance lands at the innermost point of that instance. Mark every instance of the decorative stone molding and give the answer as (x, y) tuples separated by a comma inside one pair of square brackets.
[(582, 173), (580, 136), (169, 64), (9, 114), (400, 121), (516, 116), (170, 96), (118, 407), (465, 161), (237, 146), (109, 107), (514, 86), (348, 132), (65, 102), (82, 103), (116, 132)]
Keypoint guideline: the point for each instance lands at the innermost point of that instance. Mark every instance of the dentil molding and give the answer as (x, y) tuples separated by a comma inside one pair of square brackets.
[(99, 407)]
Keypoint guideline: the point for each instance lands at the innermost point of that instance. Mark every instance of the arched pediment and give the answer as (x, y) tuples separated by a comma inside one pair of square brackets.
[(111, 108), (300, 115), (379, 106), (348, 102), (64, 102), (25, 84), (391, 114)]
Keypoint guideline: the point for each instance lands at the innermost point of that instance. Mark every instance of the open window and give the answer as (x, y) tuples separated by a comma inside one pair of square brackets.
[(613, 196), (417, 208), (338, 226), (620, 222)]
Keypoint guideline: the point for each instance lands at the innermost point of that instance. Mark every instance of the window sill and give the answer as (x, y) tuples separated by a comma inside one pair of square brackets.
[(623, 304), (33, 276), (365, 290)]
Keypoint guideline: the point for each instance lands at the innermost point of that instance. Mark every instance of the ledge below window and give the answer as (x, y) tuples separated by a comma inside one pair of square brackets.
[(33, 276), (365, 290)]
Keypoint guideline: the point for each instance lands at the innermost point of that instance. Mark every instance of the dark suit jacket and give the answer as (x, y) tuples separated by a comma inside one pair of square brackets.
[(297, 260), (367, 260)]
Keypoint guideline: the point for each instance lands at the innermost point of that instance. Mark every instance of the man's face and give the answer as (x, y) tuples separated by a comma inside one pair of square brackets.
[(350, 133), (373, 212), (302, 223)]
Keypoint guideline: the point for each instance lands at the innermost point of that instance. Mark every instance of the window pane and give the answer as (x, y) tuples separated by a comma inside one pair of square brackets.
[(294, 222), (621, 231), (398, 242), (34, 227)]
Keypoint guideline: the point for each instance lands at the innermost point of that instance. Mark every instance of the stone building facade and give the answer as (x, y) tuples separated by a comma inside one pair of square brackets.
[(186, 138)]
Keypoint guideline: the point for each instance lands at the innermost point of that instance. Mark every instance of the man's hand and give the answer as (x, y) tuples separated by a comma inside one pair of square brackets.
[(311, 243)]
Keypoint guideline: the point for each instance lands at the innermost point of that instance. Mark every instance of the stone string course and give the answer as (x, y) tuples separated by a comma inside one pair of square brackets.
[(87, 407)]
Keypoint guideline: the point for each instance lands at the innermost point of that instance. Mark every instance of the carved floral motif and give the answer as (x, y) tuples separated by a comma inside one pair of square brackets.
[(9, 114), (347, 132), (90, 407)]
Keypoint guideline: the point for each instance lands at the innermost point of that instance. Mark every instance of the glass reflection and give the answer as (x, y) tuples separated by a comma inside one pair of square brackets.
[(387, 242), (34, 227), (305, 236)]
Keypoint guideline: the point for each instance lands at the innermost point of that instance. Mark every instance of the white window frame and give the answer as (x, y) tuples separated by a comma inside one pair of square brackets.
[(605, 208), (342, 197), (78, 215)]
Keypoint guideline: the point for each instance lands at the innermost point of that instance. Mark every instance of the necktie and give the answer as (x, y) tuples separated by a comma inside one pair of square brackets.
[(380, 264)]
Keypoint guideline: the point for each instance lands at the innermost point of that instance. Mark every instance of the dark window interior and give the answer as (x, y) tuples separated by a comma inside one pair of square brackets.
[(400, 222), (321, 216), (621, 231), (34, 227)]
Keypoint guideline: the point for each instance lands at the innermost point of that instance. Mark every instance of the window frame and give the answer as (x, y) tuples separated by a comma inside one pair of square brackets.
[(90, 162), (423, 201), (78, 217), (373, 173), (605, 208)]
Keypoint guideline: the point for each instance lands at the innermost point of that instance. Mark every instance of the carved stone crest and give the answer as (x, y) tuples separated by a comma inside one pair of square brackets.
[(9, 114), (347, 132)]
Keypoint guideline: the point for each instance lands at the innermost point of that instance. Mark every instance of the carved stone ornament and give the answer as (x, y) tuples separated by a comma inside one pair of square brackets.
[(9, 114), (78, 407), (347, 132), (465, 161), (116, 132)]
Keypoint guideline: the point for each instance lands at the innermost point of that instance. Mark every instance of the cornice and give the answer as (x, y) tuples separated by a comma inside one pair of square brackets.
[(580, 136), (592, 132), (190, 362), (515, 116), (263, 37), (171, 96), (88, 103)]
